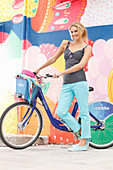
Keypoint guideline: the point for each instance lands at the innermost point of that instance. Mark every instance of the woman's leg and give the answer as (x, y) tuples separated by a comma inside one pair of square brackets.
[(81, 91), (64, 103)]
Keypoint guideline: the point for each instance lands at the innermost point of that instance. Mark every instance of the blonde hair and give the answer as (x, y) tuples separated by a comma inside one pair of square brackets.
[(80, 27)]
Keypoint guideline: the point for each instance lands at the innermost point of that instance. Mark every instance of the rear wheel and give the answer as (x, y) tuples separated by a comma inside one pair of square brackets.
[(101, 137), (13, 133)]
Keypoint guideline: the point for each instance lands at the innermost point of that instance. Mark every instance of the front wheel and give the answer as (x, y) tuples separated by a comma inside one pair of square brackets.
[(13, 134)]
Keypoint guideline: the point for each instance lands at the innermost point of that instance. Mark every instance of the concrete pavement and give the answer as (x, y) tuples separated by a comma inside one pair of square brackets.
[(55, 157)]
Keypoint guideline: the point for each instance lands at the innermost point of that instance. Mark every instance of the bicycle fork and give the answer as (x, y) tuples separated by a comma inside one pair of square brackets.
[(22, 124)]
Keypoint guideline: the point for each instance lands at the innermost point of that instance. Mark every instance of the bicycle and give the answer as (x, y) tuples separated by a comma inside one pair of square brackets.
[(21, 123)]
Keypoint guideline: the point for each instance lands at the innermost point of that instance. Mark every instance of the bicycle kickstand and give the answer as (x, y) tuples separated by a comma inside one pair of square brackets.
[(76, 137)]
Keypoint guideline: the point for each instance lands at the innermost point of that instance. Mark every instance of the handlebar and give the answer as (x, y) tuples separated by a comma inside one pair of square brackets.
[(40, 77), (48, 75)]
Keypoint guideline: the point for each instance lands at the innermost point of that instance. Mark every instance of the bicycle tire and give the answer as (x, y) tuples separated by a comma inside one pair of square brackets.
[(17, 138), (102, 138)]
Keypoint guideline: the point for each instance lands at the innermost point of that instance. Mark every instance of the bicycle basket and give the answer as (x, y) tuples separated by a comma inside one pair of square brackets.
[(22, 88)]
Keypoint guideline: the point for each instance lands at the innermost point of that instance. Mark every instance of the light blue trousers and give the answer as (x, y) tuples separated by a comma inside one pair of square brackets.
[(68, 92)]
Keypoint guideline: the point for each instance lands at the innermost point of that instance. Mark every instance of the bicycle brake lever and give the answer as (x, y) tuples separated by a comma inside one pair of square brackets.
[(37, 76)]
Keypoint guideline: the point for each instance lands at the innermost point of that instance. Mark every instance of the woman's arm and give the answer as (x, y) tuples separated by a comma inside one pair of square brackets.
[(53, 59), (79, 66)]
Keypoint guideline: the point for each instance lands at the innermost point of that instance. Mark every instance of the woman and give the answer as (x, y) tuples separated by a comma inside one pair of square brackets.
[(76, 54)]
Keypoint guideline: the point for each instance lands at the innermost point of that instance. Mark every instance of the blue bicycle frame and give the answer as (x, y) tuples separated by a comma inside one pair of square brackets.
[(56, 123)]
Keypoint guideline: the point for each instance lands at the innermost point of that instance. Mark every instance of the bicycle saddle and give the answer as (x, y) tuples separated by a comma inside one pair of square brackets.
[(28, 73)]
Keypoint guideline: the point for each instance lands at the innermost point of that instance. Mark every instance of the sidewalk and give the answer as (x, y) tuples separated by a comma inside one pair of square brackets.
[(55, 157)]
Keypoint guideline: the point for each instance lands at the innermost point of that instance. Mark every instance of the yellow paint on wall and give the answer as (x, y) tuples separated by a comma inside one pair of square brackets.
[(110, 86), (7, 12), (60, 63)]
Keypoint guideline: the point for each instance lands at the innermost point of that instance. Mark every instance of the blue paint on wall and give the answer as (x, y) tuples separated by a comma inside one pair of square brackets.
[(24, 31)]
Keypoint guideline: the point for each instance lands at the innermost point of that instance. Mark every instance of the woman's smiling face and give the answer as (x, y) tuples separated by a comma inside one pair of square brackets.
[(75, 33)]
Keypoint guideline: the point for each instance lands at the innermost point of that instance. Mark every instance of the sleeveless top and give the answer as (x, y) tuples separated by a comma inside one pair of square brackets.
[(72, 59)]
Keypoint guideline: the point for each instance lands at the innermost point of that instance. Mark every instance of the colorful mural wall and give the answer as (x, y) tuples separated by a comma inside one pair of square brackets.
[(31, 32)]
